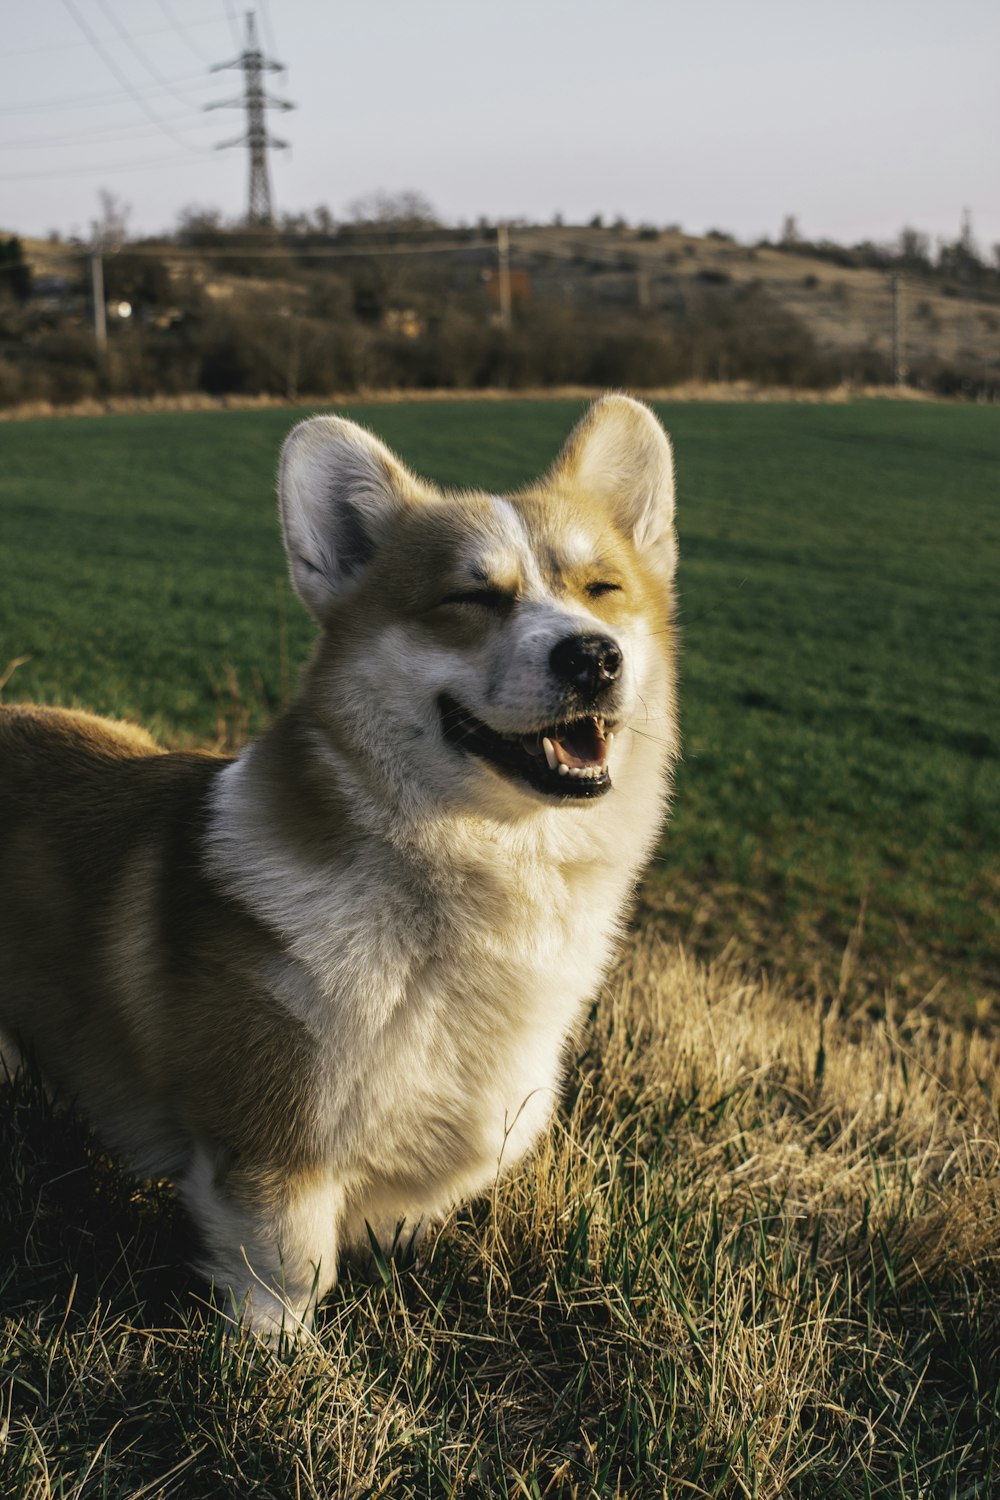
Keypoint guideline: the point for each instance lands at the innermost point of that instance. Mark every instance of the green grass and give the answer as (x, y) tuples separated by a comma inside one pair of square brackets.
[(757, 1255), (841, 631), (763, 1268)]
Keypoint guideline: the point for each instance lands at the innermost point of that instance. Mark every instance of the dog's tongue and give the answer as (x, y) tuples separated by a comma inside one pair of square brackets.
[(579, 745)]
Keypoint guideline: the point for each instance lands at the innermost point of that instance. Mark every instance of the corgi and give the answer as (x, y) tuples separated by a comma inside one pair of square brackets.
[(328, 986)]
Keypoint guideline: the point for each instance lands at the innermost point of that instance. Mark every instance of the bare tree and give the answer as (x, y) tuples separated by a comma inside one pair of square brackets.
[(405, 209), (914, 248), (109, 230)]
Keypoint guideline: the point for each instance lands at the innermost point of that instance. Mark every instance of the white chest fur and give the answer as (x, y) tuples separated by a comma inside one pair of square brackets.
[(439, 981)]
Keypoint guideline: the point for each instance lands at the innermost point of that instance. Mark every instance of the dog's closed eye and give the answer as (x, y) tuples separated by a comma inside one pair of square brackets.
[(491, 599)]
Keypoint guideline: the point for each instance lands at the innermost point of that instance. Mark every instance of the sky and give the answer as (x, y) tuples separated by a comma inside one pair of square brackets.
[(856, 117)]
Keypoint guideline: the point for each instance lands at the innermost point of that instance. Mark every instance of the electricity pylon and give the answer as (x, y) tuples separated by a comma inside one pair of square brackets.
[(255, 101)]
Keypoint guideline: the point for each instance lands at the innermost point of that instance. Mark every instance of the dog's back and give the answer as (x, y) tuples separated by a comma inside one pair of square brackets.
[(77, 794), (70, 803), (95, 821)]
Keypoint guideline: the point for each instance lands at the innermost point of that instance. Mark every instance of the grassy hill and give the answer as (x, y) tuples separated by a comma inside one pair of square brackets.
[(846, 307), (365, 307)]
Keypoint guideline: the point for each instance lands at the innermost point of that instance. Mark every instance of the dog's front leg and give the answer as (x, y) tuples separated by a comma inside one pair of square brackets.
[(271, 1243)]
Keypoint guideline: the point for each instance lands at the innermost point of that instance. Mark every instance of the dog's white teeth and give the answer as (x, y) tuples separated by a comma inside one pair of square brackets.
[(609, 740), (556, 760)]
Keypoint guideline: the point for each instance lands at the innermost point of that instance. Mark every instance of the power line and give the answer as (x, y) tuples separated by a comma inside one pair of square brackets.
[(325, 252), (139, 56), (234, 24), (103, 135), (72, 46), (265, 22), (125, 82), (82, 101), (182, 31), (118, 166)]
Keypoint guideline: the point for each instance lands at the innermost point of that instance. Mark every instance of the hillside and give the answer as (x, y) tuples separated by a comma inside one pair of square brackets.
[(368, 306), (846, 308)]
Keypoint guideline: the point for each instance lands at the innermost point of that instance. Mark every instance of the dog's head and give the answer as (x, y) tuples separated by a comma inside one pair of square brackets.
[(504, 650)]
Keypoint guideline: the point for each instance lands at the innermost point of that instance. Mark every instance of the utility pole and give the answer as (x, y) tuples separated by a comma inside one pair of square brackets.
[(257, 140), (898, 336), (967, 244), (100, 312), (503, 270)]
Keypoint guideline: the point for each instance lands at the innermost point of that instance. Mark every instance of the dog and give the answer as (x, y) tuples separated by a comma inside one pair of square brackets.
[(328, 986)]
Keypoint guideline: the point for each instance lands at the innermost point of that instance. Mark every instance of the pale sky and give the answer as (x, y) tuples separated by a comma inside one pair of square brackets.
[(856, 116)]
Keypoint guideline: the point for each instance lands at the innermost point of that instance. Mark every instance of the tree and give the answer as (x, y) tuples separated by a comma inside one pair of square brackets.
[(961, 259), (109, 230), (15, 273), (196, 225), (405, 210), (914, 249)]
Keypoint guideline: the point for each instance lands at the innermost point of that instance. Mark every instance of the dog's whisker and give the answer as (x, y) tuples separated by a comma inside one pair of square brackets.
[(654, 739)]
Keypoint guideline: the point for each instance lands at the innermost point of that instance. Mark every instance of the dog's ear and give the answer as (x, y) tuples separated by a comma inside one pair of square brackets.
[(339, 488), (621, 455)]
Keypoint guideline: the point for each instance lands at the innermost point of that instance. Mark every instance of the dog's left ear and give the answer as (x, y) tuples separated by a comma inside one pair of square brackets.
[(621, 455), (339, 488)]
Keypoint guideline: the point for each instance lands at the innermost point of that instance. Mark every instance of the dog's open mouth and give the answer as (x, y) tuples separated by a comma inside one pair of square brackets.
[(565, 760)]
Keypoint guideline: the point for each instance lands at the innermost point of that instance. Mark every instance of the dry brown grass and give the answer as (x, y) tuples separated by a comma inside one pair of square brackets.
[(690, 390), (758, 1255)]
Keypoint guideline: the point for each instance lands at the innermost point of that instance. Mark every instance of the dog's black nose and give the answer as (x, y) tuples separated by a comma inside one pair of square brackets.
[(588, 662)]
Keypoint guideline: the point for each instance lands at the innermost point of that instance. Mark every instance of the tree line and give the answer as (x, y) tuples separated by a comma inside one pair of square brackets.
[(391, 297)]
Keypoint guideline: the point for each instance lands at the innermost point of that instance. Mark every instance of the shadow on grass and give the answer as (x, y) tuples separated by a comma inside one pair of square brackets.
[(76, 1231)]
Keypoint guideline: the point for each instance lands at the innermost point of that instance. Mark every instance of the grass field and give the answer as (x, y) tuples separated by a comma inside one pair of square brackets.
[(758, 1256), (838, 811)]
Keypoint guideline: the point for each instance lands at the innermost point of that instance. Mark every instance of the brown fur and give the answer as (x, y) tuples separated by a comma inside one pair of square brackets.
[(100, 844)]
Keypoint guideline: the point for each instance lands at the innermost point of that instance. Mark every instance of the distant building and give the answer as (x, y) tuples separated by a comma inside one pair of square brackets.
[(521, 289), (52, 291)]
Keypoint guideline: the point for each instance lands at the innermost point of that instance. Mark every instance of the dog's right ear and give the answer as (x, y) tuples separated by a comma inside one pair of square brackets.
[(338, 490)]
